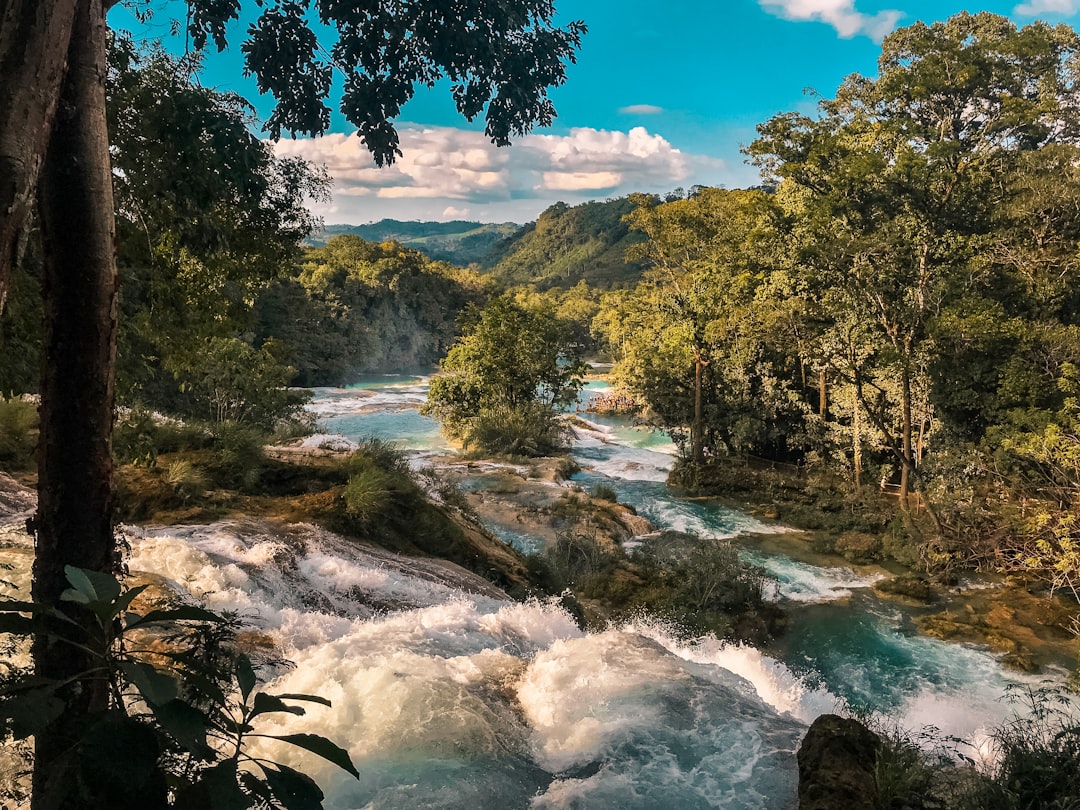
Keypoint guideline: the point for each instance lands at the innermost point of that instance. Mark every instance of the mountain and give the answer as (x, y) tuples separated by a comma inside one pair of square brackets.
[(567, 244), (459, 242)]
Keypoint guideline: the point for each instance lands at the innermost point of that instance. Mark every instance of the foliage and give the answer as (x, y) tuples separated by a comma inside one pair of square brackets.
[(1036, 759), (531, 429), (227, 380), (510, 371), (568, 245), (176, 717), (18, 425), (357, 307), (207, 216), (706, 575)]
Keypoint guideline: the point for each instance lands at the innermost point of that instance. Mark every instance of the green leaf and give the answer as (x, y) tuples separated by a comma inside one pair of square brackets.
[(118, 756), (309, 698), (245, 676), (265, 704), (90, 586), (216, 788), (127, 597), (257, 787), (185, 724), (25, 712), (294, 790), (323, 747), (157, 687), (188, 613)]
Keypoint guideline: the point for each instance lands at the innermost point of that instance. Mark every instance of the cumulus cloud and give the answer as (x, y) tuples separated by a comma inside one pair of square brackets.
[(445, 172), (841, 15), (1037, 7), (641, 109)]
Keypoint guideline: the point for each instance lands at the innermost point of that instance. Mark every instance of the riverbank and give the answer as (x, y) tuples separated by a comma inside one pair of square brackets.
[(1031, 628)]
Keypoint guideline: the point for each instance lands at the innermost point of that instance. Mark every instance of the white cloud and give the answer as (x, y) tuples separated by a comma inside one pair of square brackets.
[(1037, 7), (641, 109), (446, 173), (840, 14)]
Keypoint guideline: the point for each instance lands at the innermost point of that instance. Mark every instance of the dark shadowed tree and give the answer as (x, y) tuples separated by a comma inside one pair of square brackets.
[(500, 56)]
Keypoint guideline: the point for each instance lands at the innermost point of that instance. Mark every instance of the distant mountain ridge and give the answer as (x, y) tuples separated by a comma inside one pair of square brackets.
[(565, 245), (459, 242)]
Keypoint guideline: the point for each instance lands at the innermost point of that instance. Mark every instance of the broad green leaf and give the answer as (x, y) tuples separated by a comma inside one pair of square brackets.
[(26, 712), (185, 724), (257, 787), (294, 790), (127, 597), (188, 613), (245, 676), (157, 687), (265, 704), (118, 756), (308, 698), (90, 586), (323, 747), (216, 788)]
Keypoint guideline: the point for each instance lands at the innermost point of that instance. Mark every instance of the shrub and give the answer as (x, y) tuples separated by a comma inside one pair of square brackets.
[(532, 429), (18, 434), (239, 455), (368, 494), (603, 492), (576, 556), (186, 479)]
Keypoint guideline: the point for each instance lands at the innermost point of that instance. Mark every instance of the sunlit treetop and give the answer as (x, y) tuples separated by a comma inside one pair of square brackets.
[(502, 55)]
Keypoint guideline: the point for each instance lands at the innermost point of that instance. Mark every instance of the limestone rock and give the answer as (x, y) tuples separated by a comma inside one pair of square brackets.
[(836, 765)]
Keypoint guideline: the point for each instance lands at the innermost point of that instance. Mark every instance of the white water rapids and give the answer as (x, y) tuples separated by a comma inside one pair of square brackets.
[(447, 694)]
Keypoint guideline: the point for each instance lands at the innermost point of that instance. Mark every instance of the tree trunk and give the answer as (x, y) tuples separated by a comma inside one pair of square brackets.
[(856, 441), (823, 390), (906, 464), (697, 432), (74, 518), (34, 40)]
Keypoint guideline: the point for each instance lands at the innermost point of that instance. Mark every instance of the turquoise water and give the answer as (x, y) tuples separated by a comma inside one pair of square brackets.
[(842, 640)]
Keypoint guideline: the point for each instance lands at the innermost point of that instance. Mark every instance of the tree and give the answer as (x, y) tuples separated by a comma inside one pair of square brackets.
[(896, 184), (689, 339), (54, 146), (501, 383)]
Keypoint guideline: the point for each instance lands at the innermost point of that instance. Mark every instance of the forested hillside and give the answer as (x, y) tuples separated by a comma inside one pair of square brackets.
[(567, 245), (357, 307)]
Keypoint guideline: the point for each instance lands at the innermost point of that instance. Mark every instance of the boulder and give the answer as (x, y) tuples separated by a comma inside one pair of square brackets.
[(837, 759)]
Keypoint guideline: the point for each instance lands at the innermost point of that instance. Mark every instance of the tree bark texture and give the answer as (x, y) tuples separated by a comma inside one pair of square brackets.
[(74, 518), (34, 40)]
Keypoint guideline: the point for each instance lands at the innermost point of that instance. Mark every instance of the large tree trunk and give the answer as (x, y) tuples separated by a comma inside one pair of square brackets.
[(907, 464), (697, 428), (74, 518), (34, 40)]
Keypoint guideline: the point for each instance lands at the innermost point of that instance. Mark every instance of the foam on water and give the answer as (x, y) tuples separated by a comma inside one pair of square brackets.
[(450, 698)]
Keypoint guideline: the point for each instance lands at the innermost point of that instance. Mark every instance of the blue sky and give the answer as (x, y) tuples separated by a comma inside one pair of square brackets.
[(663, 95)]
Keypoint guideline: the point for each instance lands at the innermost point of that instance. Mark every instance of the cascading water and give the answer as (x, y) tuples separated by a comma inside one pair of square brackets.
[(450, 695)]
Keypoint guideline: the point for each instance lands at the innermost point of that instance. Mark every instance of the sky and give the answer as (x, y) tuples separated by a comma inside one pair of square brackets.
[(663, 95)]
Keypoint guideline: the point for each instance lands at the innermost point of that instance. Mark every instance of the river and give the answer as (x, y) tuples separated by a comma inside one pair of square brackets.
[(448, 695)]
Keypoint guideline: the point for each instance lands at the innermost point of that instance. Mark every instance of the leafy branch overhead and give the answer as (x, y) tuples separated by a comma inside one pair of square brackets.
[(498, 55)]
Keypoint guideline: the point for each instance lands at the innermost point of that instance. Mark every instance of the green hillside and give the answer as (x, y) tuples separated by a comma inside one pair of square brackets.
[(568, 244), (459, 242)]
